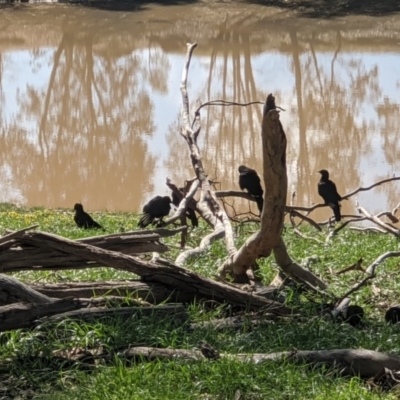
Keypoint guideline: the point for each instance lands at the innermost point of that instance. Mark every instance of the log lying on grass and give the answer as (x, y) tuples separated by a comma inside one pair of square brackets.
[(23, 315), (176, 314), (17, 254), (154, 293), (162, 272), (360, 362), (13, 291)]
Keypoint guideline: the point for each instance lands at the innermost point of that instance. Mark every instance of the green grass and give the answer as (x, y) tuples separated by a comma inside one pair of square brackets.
[(28, 367)]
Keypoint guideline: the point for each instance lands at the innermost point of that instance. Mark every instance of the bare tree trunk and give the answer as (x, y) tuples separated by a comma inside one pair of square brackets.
[(268, 238), (262, 242)]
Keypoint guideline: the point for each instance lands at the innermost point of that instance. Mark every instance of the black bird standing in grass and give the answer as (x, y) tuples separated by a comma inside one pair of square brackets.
[(250, 181), (83, 219), (190, 213), (157, 207), (327, 190)]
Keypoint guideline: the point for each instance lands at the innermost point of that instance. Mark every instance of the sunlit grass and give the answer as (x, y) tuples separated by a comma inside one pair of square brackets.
[(27, 356)]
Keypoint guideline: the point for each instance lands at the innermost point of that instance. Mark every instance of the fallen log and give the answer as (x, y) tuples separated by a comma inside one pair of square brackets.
[(13, 291), (162, 272), (19, 255), (360, 362), (23, 315), (154, 293), (234, 323), (176, 314)]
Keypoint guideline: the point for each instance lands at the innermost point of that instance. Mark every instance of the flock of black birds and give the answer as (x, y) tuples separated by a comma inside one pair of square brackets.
[(250, 181), (160, 206)]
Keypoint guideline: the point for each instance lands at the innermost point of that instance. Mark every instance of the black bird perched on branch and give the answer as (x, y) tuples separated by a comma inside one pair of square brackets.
[(327, 190), (250, 181), (270, 104), (157, 207), (83, 219), (190, 213)]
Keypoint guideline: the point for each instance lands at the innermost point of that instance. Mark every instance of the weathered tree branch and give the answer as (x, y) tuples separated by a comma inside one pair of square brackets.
[(177, 313), (208, 204), (358, 362), (374, 218), (154, 293), (168, 274), (13, 291), (17, 255)]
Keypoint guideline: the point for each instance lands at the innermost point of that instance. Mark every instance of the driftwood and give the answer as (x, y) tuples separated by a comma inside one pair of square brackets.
[(154, 293), (18, 254), (208, 205), (13, 291), (175, 312), (166, 273), (24, 315), (360, 362)]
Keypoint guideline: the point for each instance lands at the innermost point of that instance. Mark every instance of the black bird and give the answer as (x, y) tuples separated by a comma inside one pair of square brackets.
[(327, 190), (249, 180), (190, 213), (83, 219), (269, 104), (157, 207)]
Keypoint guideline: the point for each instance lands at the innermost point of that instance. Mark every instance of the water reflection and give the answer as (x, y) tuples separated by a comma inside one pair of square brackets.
[(90, 101)]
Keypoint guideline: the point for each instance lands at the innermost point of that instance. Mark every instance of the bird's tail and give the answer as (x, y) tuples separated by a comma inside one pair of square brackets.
[(260, 203), (193, 217), (336, 211), (145, 220)]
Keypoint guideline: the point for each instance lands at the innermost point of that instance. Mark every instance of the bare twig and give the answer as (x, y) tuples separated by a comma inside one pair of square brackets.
[(363, 189), (358, 286), (371, 268), (394, 231)]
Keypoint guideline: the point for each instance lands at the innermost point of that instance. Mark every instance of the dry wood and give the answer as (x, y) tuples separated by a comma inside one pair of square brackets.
[(6, 238), (374, 218), (371, 268), (175, 312), (360, 362), (168, 274), (296, 271), (269, 237), (261, 243), (154, 293), (235, 322), (13, 291), (208, 204), (21, 256), (23, 315)]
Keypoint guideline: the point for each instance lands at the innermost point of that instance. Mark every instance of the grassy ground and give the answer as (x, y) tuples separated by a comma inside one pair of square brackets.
[(27, 369)]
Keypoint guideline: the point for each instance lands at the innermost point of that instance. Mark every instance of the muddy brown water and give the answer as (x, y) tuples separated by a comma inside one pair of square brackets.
[(90, 100)]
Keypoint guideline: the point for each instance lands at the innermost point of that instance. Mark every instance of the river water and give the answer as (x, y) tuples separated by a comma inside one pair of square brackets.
[(90, 100)]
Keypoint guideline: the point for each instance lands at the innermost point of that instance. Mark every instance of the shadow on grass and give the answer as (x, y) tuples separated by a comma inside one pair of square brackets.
[(335, 8)]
